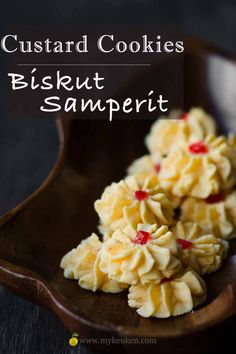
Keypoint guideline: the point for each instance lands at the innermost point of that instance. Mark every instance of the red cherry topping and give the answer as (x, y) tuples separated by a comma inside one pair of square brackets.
[(166, 280), (183, 116), (185, 244), (140, 195), (215, 198), (142, 237), (198, 148), (157, 167)]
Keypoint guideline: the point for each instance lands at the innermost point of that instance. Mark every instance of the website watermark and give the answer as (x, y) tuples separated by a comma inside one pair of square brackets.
[(75, 340)]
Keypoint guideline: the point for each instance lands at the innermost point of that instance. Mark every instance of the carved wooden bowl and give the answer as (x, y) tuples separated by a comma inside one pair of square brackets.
[(38, 232)]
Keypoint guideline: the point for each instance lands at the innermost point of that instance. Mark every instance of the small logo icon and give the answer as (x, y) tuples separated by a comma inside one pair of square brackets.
[(73, 341)]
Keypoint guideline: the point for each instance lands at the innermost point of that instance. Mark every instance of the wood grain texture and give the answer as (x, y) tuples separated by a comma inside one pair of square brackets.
[(37, 233)]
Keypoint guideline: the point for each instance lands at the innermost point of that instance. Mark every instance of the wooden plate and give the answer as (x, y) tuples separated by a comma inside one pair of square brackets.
[(38, 232)]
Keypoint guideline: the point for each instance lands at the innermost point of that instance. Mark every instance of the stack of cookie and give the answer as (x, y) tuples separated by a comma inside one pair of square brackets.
[(167, 223)]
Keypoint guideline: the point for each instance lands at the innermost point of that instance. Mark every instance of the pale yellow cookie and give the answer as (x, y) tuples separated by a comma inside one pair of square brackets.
[(132, 202), (150, 166), (146, 254), (215, 214), (144, 167), (170, 298), (82, 263), (199, 169), (201, 251), (169, 133)]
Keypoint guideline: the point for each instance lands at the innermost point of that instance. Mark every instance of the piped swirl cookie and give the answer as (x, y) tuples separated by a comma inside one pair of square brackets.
[(169, 133), (201, 251), (145, 166), (146, 254), (199, 169), (216, 214), (150, 166), (132, 202), (82, 263), (172, 297)]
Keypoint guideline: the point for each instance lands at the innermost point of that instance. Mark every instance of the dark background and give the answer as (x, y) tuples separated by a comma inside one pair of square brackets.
[(28, 148)]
